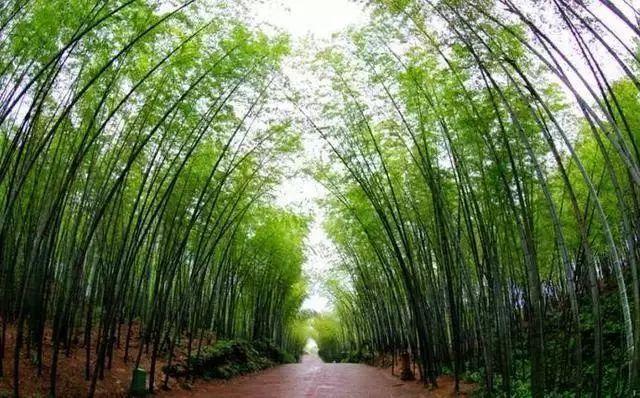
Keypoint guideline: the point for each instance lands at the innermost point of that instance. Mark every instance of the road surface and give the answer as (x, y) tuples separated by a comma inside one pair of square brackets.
[(314, 379)]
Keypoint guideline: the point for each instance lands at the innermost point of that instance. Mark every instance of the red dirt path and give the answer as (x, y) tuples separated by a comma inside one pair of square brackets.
[(314, 379)]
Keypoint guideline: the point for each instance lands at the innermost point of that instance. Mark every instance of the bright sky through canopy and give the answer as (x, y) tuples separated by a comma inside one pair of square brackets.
[(319, 19)]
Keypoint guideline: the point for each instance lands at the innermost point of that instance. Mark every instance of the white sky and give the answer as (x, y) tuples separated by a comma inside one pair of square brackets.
[(315, 21), (319, 18)]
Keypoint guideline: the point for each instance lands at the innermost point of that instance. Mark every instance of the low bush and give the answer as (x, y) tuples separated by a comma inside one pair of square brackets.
[(230, 358)]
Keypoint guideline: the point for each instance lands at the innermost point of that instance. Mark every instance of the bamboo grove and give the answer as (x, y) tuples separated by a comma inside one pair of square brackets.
[(484, 176), (137, 167), (484, 180)]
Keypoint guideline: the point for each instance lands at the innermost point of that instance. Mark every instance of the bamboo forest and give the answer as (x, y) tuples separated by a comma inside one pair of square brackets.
[(470, 169)]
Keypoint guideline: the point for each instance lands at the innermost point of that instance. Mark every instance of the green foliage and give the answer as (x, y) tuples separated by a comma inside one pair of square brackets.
[(327, 335), (484, 185), (229, 358), (136, 177), (485, 220)]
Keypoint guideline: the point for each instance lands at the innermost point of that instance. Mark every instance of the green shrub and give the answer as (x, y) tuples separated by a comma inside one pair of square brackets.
[(230, 358)]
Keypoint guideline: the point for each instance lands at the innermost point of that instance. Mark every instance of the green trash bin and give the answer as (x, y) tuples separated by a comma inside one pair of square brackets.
[(139, 382)]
